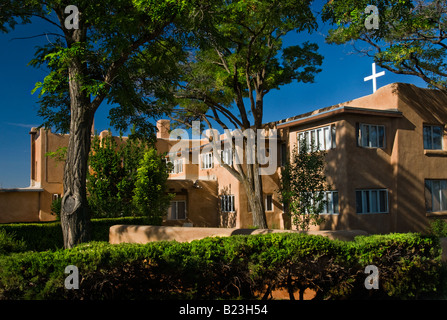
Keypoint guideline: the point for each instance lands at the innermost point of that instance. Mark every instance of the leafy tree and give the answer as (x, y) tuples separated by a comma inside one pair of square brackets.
[(56, 208), (112, 175), (438, 227), (241, 57), (112, 55), (410, 38), (150, 197), (303, 183)]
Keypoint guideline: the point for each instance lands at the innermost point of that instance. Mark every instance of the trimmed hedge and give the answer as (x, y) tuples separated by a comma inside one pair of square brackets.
[(43, 236), (409, 264), (9, 243), (235, 267)]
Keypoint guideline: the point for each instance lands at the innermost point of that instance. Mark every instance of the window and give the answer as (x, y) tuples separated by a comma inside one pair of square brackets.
[(432, 137), (207, 160), (227, 203), (436, 195), (282, 154), (371, 136), (177, 210), (372, 201), (330, 199), (177, 166), (227, 156), (269, 202), (321, 138), (331, 202)]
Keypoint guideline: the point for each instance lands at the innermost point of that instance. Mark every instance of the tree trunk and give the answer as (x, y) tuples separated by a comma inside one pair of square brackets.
[(259, 219), (75, 218), (253, 187), (74, 209)]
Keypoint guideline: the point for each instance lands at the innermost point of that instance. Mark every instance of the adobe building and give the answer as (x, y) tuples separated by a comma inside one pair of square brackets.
[(386, 158), (386, 165)]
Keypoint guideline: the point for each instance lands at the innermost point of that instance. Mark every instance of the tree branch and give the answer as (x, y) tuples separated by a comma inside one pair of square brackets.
[(238, 174), (114, 67), (36, 36)]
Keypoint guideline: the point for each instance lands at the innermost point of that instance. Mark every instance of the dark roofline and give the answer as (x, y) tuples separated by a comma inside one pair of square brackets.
[(331, 112), (32, 189)]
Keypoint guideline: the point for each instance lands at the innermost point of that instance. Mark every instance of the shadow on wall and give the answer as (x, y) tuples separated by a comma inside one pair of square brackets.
[(200, 197), (145, 234), (420, 98), (227, 218), (399, 169)]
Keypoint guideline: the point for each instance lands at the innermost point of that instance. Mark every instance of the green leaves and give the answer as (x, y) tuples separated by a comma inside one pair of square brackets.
[(150, 197), (234, 267), (302, 184), (410, 38), (111, 180), (241, 55)]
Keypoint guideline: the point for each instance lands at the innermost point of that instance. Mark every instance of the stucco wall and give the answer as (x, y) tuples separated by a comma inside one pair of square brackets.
[(145, 234), (410, 163), (19, 205), (401, 166), (201, 202)]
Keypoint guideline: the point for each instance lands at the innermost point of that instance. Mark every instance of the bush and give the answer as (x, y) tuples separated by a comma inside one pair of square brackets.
[(9, 243), (111, 180), (409, 264), (295, 262), (438, 228), (56, 208), (228, 268), (48, 235), (149, 197)]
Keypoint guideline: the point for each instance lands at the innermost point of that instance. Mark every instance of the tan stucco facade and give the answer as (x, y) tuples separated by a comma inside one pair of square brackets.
[(398, 168), (34, 202)]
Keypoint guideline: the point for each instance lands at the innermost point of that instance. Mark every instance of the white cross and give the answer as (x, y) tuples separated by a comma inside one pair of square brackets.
[(374, 76)]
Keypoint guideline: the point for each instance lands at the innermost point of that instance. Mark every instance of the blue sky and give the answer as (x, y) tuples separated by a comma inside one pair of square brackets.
[(341, 80)]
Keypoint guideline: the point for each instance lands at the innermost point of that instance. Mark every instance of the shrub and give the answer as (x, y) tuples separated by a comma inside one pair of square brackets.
[(48, 235), (303, 184), (150, 198), (228, 268), (295, 262), (409, 264), (9, 243), (438, 228), (56, 208), (112, 177)]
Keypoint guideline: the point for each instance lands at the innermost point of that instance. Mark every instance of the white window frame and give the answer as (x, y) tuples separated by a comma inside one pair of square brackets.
[(439, 197), (169, 217), (374, 206), (324, 136), (365, 140), (331, 207), (227, 203), (431, 136), (227, 156), (207, 160), (177, 166), (267, 202)]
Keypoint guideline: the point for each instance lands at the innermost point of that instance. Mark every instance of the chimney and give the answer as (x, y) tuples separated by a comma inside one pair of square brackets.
[(163, 128)]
